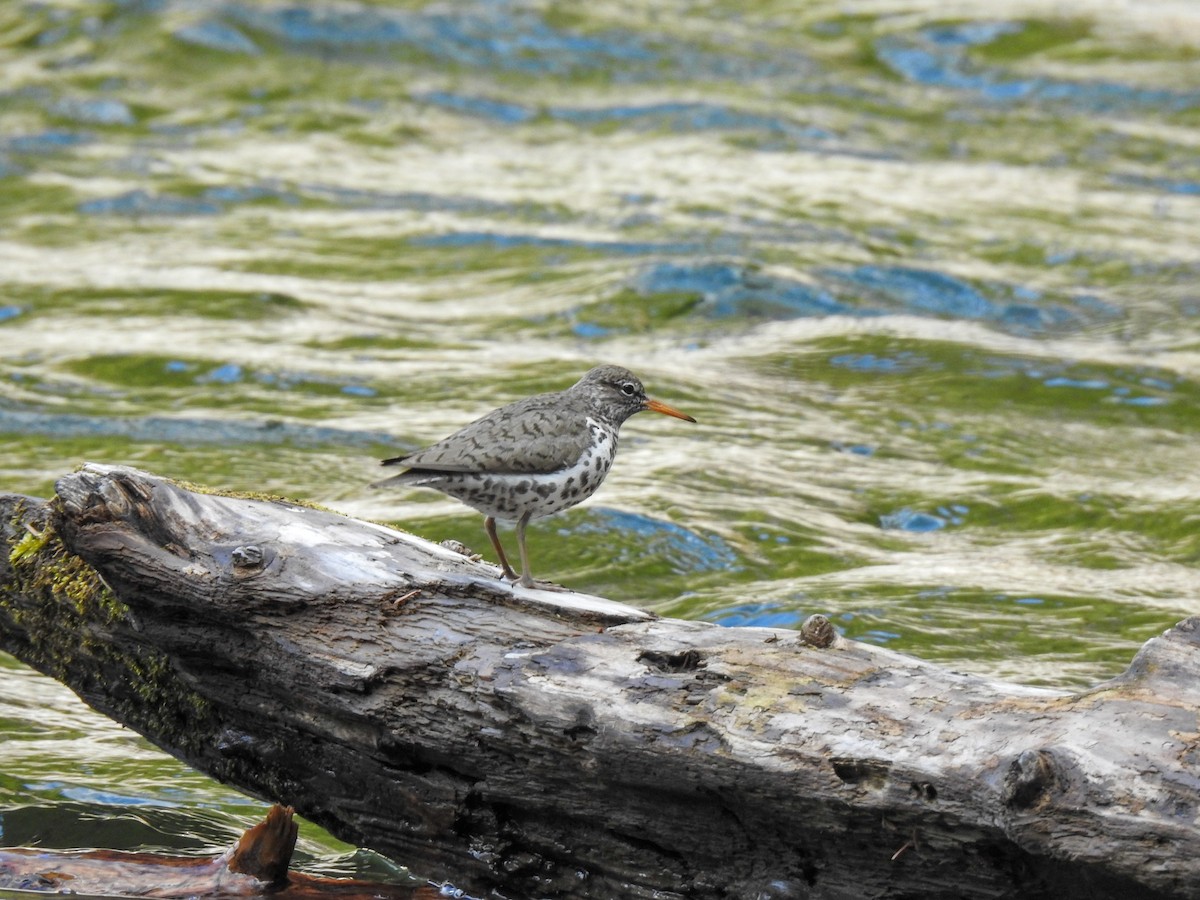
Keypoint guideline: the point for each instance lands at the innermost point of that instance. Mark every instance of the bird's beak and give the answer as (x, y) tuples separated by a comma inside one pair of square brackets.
[(656, 406)]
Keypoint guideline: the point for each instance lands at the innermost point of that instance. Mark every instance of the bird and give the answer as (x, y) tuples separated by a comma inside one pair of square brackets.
[(534, 457)]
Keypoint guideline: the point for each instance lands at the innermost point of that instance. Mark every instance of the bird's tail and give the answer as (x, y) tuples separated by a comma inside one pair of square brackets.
[(409, 478)]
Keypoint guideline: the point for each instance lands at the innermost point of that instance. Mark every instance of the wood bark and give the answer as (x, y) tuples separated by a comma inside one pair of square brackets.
[(534, 744)]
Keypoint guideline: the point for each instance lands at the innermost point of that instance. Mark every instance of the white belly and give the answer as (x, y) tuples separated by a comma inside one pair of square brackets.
[(512, 496)]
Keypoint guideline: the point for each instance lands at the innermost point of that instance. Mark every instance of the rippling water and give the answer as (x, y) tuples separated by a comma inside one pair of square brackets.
[(926, 275)]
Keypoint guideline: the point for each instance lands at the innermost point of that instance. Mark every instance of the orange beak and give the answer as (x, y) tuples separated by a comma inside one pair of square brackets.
[(658, 407)]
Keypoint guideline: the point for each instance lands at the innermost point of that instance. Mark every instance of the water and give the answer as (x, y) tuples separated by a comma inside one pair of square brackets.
[(927, 278)]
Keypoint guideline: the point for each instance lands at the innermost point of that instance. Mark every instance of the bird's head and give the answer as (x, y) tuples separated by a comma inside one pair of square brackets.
[(616, 394)]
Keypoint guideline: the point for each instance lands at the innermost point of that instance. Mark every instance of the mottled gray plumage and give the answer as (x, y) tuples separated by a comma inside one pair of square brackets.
[(534, 457)]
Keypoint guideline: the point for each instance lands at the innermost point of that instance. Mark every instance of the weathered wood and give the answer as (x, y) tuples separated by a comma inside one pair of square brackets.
[(395, 693), (256, 866)]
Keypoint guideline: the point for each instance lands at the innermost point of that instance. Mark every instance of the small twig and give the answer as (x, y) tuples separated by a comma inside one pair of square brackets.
[(907, 845), (400, 601)]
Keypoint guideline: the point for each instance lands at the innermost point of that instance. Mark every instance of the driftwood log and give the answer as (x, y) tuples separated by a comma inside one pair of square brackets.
[(256, 866), (532, 744)]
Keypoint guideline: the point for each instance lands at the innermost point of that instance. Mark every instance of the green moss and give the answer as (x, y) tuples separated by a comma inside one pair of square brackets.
[(253, 495), (61, 581), (65, 619), (28, 547)]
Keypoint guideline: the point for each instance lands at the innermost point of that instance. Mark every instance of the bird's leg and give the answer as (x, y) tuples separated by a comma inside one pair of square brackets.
[(489, 525), (526, 578)]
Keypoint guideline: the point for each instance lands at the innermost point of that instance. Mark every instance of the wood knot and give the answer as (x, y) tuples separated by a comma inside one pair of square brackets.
[(870, 773), (247, 557), (817, 631), (923, 790), (1032, 777), (460, 547), (685, 661)]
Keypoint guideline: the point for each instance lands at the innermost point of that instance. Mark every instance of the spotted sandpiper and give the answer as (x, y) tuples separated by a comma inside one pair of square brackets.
[(534, 457)]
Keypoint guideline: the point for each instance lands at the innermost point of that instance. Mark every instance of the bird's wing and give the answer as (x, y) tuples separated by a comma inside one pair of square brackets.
[(531, 436)]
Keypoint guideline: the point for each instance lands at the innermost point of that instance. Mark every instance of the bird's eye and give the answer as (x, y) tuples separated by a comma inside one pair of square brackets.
[(628, 389)]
